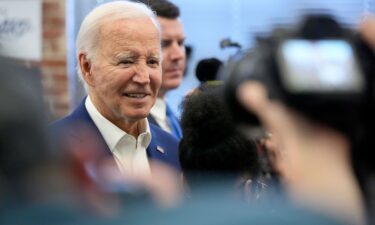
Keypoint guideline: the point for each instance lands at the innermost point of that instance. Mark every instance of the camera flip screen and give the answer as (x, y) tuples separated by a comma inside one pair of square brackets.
[(319, 66)]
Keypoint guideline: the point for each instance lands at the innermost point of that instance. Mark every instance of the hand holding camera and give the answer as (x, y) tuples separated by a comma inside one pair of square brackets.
[(313, 88)]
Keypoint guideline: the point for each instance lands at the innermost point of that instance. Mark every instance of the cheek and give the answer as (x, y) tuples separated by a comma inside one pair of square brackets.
[(108, 85), (117, 78), (165, 53), (164, 64), (156, 79), (105, 81), (166, 60)]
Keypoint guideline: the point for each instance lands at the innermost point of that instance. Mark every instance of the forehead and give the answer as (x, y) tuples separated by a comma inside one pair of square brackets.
[(128, 33), (171, 28)]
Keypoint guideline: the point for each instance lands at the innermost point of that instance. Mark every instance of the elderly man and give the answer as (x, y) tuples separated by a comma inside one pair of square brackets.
[(173, 66), (119, 60)]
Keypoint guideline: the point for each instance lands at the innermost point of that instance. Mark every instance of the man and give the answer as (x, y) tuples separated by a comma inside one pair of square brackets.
[(119, 60), (173, 65)]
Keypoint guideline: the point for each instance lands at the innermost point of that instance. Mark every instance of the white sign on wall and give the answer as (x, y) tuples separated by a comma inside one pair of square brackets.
[(21, 29)]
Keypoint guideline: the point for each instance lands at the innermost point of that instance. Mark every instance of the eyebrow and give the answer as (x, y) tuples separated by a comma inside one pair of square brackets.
[(172, 38), (154, 54), (131, 54), (125, 54)]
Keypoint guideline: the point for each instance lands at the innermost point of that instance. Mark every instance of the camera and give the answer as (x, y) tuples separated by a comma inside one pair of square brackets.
[(319, 68)]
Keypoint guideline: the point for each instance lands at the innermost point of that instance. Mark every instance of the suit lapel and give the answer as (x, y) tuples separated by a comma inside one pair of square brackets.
[(154, 151), (152, 120)]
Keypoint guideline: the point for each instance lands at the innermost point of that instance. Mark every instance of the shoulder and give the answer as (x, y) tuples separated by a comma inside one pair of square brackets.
[(62, 125), (79, 119), (66, 123)]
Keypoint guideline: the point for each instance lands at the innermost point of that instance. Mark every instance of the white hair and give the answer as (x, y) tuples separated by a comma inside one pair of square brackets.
[(88, 34)]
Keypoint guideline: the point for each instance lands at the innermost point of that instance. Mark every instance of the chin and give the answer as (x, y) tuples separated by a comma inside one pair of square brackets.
[(137, 114), (137, 117)]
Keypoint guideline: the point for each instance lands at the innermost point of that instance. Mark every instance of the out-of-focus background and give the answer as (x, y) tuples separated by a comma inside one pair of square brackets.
[(41, 34)]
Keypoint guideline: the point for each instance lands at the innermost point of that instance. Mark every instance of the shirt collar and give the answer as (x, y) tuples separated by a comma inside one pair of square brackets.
[(144, 132), (113, 134)]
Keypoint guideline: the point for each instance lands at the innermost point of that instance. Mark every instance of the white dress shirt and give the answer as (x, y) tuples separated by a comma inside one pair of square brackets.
[(159, 112), (129, 152)]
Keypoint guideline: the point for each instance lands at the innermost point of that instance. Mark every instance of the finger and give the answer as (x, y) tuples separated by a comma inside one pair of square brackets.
[(273, 115), (367, 30), (287, 127)]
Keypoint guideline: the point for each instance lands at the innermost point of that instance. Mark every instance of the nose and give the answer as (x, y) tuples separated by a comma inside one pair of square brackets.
[(142, 75), (177, 52)]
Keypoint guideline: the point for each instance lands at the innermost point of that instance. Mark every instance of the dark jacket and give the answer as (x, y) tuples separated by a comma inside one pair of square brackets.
[(78, 127)]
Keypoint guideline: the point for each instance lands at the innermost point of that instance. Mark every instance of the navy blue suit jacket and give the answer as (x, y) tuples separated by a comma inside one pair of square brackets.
[(163, 146)]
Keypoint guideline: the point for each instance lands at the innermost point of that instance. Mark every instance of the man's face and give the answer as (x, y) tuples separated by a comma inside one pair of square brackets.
[(174, 58), (126, 71)]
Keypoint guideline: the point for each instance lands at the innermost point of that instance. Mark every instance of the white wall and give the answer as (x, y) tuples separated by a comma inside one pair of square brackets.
[(206, 22)]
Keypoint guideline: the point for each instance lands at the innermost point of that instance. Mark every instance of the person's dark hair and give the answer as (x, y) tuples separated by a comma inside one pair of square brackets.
[(211, 145), (163, 8), (207, 69)]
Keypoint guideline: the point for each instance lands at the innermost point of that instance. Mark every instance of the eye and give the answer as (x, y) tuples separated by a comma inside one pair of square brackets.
[(166, 43), (153, 62), (181, 42), (126, 62)]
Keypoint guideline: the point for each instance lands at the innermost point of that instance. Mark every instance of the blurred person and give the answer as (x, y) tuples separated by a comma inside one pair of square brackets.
[(23, 141), (120, 65), (37, 183), (313, 148), (211, 148), (315, 160), (173, 65)]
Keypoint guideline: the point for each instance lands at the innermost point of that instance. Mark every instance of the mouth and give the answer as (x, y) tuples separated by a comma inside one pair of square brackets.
[(135, 95), (174, 70)]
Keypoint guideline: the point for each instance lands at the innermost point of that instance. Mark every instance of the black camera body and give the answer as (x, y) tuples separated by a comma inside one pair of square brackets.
[(320, 69)]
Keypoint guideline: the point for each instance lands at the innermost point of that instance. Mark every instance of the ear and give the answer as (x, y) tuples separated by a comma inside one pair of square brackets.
[(85, 66)]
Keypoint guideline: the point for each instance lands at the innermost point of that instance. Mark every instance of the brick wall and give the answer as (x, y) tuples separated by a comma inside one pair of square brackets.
[(54, 64)]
